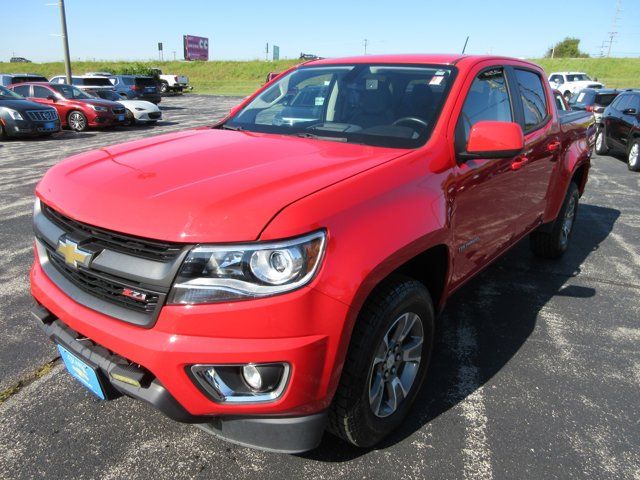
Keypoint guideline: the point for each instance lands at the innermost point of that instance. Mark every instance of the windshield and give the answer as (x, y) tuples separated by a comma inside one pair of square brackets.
[(6, 94), (384, 105), (578, 77), (67, 91)]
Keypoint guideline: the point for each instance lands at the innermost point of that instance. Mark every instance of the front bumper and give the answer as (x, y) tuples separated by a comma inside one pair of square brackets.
[(281, 434), (29, 128)]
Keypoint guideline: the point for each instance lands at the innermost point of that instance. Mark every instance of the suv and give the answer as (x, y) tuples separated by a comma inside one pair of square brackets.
[(592, 100), (7, 79), (19, 60), (620, 131), (569, 83), (84, 82), (136, 87)]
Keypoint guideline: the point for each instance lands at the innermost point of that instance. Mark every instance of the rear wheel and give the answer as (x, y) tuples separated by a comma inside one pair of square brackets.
[(164, 87), (386, 363), (553, 242), (77, 121), (633, 157), (3, 133), (567, 95), (601, 142)]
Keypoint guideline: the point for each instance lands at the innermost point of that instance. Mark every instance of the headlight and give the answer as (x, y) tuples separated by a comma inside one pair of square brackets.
[(221, 273), (13, 113), (98, 108)]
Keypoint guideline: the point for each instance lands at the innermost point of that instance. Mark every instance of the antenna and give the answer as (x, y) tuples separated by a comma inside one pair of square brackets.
[(365, 43), (465, 45)]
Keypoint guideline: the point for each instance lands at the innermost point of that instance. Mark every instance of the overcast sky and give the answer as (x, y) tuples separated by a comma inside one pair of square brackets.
[(130, 30)]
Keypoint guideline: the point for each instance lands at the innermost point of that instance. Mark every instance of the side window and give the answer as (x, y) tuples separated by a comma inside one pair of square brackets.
[(620, 103), (557, 79), (634, 102), (22, 90), (534, 98), (488, 99), (41, 92)]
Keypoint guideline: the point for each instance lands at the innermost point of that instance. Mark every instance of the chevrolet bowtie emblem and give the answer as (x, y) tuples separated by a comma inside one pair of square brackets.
[(73, 255)]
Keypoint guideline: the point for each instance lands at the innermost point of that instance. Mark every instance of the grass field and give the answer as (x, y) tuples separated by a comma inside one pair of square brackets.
[(242, 78)]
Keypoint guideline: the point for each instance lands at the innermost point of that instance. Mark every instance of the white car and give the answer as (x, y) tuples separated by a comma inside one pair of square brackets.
[(570, 83), (138, 111)]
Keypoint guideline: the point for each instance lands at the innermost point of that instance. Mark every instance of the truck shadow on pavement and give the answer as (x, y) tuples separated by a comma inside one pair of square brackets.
[(486, 323)]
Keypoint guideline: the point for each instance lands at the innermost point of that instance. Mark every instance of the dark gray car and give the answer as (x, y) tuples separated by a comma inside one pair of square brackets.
[(136, 87), (21, 118)]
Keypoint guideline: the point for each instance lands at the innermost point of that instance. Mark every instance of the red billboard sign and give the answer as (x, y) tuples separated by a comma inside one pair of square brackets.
[(196, 48)]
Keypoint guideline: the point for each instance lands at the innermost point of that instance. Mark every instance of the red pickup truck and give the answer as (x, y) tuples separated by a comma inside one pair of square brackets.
[(279, 273)]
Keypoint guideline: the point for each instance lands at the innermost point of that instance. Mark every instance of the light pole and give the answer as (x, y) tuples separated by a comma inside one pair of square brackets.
[(65, 42)]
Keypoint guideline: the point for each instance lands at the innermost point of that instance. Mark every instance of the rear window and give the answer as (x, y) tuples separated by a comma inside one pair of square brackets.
[(605, 99), (28, 78), (583, 98), (145, 81), (95, 82), (534, 98)]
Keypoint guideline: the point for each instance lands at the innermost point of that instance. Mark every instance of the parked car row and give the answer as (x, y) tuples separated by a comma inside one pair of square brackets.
[(43, 108)]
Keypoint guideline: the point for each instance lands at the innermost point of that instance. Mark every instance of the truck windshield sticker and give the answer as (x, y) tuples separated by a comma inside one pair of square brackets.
[(436, 80)]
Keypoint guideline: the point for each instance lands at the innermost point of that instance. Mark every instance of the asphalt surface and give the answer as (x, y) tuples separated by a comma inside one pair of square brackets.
[(536, 372)]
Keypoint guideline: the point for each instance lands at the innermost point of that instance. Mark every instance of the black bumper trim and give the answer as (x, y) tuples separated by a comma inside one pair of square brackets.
[(274, 434)]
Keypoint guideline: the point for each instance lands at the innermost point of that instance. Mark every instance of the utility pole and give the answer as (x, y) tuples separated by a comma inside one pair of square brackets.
[(65, 42), (266, 52), (174, 55), (365, 43), (614, 24)]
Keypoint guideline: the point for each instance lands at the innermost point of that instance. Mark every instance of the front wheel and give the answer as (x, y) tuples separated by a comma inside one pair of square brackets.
[(3, 133), (633, 162), (386, 364), (567, 95), (164, 87), (77, 121), (552, 243), (601, 142)]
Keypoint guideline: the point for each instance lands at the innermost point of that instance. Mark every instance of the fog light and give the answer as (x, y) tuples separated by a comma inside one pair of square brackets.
[(250, 382), (252, 376)]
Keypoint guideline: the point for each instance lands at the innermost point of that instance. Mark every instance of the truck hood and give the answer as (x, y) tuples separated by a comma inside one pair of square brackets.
[(200, 185)]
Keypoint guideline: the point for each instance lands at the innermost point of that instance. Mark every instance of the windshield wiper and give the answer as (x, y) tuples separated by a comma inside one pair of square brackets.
[(321, 137), (229, 127)]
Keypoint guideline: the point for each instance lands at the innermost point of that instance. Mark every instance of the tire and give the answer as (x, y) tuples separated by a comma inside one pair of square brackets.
[(164, 87), (130, 119), (601, 142), (567, 95), (553, 241), (3, 133), (633, 156), (362, 410), (77, 121)]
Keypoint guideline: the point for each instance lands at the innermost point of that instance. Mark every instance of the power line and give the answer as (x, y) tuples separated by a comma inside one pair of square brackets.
[(614, 24)]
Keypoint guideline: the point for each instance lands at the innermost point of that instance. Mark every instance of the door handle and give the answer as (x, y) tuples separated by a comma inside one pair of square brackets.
[(553, 146), (519, 162)]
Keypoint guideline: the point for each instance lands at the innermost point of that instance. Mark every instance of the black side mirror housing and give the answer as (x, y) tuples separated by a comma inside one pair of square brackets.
[(52, 98)]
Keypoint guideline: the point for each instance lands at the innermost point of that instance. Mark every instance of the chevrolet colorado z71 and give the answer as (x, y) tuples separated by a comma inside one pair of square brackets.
[(279, 273)]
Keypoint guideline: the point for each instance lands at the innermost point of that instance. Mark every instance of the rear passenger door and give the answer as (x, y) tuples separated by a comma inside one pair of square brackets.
[(542, 143), (613, 120)]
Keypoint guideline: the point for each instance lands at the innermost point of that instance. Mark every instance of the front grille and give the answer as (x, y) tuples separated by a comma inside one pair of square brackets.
[(106, 239), (103, 287), (42, 115), (154, 115), (118, 110)]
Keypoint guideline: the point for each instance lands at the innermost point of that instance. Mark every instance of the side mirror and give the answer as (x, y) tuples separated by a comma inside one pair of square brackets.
[(630, 111), (490, 139), (52, 98)]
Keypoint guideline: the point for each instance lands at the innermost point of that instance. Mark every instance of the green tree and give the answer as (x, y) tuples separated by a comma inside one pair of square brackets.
[(567, 48)]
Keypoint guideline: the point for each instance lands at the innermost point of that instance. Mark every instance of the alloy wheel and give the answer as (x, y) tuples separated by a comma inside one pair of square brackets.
[(396, 363), (567, 223), (77, 121), (633, 155)]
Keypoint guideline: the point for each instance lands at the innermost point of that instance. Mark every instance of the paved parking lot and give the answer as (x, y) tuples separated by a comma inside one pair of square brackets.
[(536, 372)]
